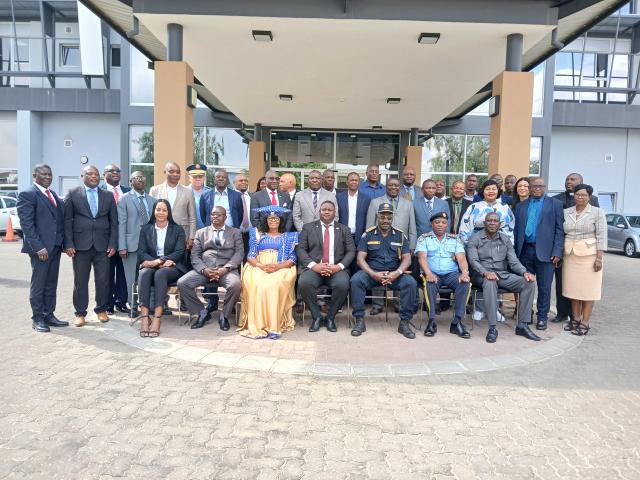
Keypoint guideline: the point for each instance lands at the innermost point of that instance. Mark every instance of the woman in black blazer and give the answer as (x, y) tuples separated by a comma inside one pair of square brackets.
[(161, 256)]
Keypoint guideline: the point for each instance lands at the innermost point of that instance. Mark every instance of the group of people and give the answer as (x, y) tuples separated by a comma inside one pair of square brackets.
[(278, 247)]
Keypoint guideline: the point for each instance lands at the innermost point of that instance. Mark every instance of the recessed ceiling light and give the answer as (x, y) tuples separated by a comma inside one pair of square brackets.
[(353, 136), (428, 38), (262, 35), (376, 127), (297, 125), (393, 100), (286, 97), (313, 134), (274, 133)]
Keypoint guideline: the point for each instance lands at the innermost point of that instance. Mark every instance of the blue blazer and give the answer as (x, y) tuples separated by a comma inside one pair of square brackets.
[(423, 222), (124, 189), (235, 205), (42, 224), (361, 211), (550, 230)]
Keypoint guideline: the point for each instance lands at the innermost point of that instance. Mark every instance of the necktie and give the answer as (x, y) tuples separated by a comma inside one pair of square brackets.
[(325, 245), (315, 201), (51, 199), (218, 238), (93, 201), (429, 209), (116, 195), (273, 199), (144, 214), (245, 217), (456, 214), (407, 193)]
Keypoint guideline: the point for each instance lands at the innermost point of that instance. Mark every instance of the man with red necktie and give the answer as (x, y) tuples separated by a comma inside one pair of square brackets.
[(271, 196)]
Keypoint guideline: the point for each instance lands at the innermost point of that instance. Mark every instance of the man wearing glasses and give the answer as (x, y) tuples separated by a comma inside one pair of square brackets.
[(539, 242), (216, 255)]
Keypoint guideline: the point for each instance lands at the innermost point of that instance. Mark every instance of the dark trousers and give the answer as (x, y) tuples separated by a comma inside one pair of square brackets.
[(118, 294), (44, 283), (563, 304), (82, 263), (308, 284), (159, 279), (461, 292), (406, 284), (544, 278)]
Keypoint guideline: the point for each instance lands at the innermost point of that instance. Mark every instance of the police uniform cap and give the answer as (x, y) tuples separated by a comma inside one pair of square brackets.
[(385, 207), (197, 169), (439, 215)]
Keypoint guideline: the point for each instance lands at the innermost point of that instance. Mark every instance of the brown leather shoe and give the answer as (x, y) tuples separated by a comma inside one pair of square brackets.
[(79, 321), (103, 317)]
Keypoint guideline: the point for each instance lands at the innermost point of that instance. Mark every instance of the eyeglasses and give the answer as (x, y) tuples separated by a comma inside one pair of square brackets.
[(536, 187), (138, 178), (217, 214), (581, 195)]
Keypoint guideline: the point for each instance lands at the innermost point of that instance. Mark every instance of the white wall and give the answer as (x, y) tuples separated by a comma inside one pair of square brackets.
[(8, 156)]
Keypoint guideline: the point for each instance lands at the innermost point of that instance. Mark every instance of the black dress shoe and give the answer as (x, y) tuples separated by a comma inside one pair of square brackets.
[(53, 321), (224, 323), (359, 328), (122, 307), (559, 319), (527, 333), (432, 328), (458, 329), (492, 335), (331, 324), (315, 325), (375, 311), (110, 310), (40, 326), (405, 330), (541, 325), (203, 317)]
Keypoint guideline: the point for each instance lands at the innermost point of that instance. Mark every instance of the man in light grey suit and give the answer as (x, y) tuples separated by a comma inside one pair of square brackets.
[(134, 210), (306, 205), (216, 255), (427, 205)]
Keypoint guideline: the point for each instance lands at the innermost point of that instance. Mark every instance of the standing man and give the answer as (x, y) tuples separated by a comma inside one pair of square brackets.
[(216, 255), (90, 239), (470, 187), (271, 196), (409, 189), (134, 210), (510, 182), (224, 196), (183, 204), (441, 190), (41, 214), (197, 178), (325, 252), (117, 278), (442, 260), (329, 181), (372, 186), (306, 206), (353, 207), (539, 241), (383, 256), (457, 205), (288, 184), (428, 205), (241, 184)]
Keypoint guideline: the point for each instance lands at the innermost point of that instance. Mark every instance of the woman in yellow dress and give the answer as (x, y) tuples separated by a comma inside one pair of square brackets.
[(269, 277)]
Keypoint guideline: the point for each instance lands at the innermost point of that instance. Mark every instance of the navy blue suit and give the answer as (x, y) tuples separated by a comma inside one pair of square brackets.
[(235, 206), (549, 242), (361, 212), (43, 228)]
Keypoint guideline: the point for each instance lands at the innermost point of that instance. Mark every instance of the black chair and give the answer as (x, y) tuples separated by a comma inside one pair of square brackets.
[(441, 291)]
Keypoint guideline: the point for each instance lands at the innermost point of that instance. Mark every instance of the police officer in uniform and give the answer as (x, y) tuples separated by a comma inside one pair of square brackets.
[(442, 260), (383, 256)]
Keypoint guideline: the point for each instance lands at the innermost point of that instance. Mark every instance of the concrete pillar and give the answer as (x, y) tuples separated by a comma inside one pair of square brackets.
[(172, 119), (514, 53), (413, 156), (257, 165), (29, 148), (174, 42)]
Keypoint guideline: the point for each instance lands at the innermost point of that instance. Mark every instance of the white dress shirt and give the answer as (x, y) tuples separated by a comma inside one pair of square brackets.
[(111, 188), (353, 208), (269, 195), (246, 200), (172, 193), (331, 246), (44, 192), (161, 234), (222, 199)]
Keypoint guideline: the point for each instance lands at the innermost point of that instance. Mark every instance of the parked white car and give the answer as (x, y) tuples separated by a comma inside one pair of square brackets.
[(8, 209)]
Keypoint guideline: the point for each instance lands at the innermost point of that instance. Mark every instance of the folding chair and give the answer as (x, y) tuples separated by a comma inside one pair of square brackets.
[(325, 296), (441, 291), (173, 290), (475, 289)]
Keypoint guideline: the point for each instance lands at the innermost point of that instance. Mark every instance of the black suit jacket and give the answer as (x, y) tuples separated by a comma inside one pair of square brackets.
[(361, 211), (465, 205), (81, 230), (310, 242), (42, 224), (174, 245), (262, 199), (568, 201)]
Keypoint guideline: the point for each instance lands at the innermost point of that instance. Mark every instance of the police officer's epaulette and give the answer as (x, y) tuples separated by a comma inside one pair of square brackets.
[(370, 229), (452, 235), (425, 235)]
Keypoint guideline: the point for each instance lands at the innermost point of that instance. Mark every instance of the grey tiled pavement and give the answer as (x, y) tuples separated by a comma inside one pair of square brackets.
[(80, 404)]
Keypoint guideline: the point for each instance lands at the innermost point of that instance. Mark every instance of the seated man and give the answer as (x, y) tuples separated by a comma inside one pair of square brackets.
[(216, 254), (495, 265), (325, 250), (441, 258), (383, 257)]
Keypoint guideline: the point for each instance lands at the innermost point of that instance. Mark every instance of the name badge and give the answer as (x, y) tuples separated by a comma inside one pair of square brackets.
[(396, 244), (373, 242)]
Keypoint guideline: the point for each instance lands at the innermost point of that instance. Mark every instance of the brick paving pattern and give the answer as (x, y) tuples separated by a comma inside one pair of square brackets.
[(78, 403)]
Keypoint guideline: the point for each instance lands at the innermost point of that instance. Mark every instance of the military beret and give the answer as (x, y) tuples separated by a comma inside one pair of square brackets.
[(439, 215), (385, 207), (197, 169)]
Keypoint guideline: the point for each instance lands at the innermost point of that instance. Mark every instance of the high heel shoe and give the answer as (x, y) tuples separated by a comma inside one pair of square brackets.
[(581, 330), (155, 332), (571, 325)]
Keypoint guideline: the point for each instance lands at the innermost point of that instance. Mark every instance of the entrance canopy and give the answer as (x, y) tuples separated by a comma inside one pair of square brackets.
[(339, 62)]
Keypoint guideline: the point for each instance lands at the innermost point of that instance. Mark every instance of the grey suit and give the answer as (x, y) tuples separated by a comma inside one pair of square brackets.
[(303, 211), (403, 217), (130, 221), (206, 254)]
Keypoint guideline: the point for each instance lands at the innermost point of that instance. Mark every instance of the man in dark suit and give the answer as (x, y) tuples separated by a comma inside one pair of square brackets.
[(563, 305), (118, 284), (224, 196), (539, 241), (41, 214), (356, 219), (271, 196), (325, 251), (457, 205), (329, 182), (90, 239)]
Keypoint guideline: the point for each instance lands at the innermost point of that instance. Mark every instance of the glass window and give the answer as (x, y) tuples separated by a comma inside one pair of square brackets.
[(293, 149), (115, 56), (538, 90), (142, 81), (9, 202), (477, 154), (69, 55), (353, 149), (141, 151), (535, 156), (455, 154)]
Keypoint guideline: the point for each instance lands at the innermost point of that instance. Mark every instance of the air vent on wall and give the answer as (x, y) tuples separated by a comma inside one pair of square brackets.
[(68, 142), (67, 29)]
